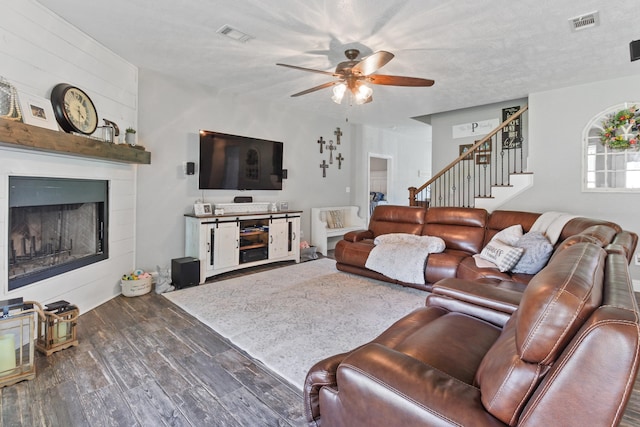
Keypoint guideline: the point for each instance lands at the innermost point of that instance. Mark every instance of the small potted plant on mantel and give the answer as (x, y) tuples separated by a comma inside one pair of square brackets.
[(130, 136)]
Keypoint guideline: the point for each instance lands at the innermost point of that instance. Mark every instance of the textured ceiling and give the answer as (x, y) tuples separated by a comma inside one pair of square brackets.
[(477, 51)]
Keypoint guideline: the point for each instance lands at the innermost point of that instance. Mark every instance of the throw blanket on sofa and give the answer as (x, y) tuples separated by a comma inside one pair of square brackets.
[(403, 256), (551, 224)]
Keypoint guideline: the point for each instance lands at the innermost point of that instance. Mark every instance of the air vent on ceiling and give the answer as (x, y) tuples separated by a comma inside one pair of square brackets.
[(234, 34), (585, 21)]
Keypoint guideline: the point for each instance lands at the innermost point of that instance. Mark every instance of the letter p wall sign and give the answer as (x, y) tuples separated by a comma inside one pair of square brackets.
[(474, 129)]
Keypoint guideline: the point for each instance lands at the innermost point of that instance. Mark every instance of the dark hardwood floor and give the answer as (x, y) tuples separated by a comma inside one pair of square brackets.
[(143, 361)]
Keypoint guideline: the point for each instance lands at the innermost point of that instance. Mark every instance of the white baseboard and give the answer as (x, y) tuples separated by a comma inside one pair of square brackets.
[(636, 285)]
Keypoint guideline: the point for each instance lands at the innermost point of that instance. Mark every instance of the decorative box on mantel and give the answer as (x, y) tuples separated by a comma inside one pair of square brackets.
[(57, 326)]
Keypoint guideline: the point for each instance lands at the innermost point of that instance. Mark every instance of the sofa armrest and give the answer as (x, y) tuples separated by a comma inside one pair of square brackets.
[(358, 235), (321, 374), (476, 298), (397, 385)]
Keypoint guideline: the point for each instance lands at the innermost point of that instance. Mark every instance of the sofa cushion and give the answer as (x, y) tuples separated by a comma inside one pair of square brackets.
[(443, 265), (537, 250), (558, 300), (509, 235), (554, 305), (501, 254), (396, 219), (499, 220), (461, 229)]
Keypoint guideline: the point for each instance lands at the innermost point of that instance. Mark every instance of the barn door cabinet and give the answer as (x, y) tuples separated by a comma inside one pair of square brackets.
[(230, 242)]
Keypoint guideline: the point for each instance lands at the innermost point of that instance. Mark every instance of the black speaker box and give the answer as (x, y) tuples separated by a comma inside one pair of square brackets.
[(185, 272), (634, 48), (242, 199), (191, 168)]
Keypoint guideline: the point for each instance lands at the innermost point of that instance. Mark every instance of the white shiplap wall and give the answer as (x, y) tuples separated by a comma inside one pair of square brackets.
[(37, 51)]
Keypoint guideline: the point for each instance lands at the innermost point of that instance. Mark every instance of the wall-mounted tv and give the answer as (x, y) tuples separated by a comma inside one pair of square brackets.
[(235, 162)]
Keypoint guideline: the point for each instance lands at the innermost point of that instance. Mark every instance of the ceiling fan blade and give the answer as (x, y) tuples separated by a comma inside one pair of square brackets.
[(295, 67), (315, 88), (372, 62), (380, 79)]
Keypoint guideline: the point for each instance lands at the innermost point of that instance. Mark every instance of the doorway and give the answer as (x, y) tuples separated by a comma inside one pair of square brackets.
[(379, 181)]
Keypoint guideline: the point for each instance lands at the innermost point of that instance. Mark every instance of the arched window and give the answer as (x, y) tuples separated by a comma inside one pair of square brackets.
[(612, 164)]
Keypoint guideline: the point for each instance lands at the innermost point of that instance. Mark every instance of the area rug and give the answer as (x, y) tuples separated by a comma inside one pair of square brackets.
[(291, 317)]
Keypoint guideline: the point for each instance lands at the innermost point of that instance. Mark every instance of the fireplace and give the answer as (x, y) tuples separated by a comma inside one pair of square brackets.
[(55, 225)]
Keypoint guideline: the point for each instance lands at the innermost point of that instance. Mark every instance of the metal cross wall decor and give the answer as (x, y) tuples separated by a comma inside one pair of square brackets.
[(324, 167), (321, 142), (331, 147), (338, 134), (339, 159)]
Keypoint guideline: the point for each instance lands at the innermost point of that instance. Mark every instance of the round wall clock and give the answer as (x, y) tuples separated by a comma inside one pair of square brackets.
[(73, 109)]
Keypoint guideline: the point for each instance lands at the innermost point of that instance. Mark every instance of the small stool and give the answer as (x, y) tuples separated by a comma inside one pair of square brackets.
[(57, 327)]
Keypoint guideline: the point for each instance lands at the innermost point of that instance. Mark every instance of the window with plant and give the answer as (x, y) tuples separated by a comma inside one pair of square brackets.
[(611, 150)]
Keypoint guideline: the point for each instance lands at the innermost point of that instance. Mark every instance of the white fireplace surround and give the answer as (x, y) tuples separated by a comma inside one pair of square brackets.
[(94, 284)]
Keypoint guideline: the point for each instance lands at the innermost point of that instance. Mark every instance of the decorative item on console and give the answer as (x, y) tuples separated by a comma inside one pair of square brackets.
[(620, 129), (202, 209)]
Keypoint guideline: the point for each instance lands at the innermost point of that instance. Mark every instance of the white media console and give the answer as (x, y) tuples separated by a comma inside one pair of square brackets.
[(232, 241)]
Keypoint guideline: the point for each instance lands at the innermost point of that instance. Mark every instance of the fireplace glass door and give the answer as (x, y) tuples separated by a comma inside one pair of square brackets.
[(55, 225)]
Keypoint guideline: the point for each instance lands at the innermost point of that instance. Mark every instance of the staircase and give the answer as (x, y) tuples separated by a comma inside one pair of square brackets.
[(491, 172)]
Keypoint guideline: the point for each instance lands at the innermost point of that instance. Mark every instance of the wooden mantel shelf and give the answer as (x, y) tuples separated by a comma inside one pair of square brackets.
[(20, 135)]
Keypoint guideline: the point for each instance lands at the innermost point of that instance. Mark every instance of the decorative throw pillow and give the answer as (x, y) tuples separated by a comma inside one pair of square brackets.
[(501, 254), (537, 250), (334, 219), (329, 219), (509, 235)]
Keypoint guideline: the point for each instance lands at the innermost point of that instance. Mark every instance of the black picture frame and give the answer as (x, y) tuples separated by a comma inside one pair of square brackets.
[(512, 133)]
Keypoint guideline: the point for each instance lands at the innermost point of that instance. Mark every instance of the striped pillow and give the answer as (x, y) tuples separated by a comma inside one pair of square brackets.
[(505, 257)]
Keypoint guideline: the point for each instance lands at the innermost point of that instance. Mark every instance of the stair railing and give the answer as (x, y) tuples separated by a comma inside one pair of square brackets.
[(488, 163)]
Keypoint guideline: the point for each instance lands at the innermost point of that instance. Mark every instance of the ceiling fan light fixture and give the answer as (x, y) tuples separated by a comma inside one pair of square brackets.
[(363, 94), (338, 93)]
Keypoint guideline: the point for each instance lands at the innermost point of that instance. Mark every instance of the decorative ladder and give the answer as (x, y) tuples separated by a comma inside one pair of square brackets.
[(487, 164)]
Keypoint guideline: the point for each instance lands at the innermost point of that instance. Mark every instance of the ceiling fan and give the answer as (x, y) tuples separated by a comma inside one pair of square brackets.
[(354, 75)]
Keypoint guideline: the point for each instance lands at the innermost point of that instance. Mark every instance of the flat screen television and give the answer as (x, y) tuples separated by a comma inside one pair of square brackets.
[(233, 162)]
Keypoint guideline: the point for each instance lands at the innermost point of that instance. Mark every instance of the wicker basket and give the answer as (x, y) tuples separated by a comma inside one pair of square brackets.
[(134, 288)]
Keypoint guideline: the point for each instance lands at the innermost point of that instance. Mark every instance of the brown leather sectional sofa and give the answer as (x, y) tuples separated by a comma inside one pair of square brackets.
[(564, 349), (465, 232)]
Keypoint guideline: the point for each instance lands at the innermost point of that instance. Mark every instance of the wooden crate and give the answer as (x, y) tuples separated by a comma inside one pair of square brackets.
[(17, 359), (57, 327)]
